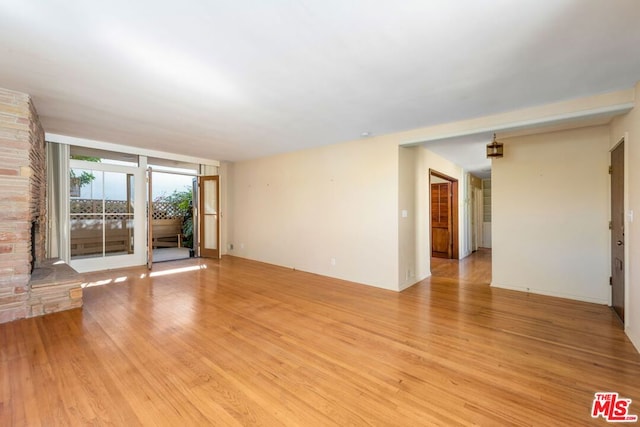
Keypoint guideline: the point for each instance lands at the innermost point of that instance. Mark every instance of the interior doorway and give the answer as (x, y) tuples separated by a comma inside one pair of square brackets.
[(475, 212), (617, 230), (443, 205)]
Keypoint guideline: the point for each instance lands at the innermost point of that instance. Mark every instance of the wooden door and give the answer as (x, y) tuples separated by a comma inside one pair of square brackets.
[(209, 216), (617, 230), (441, 224)]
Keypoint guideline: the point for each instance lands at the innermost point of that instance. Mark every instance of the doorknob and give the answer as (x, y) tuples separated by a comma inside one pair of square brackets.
[(619, 243)]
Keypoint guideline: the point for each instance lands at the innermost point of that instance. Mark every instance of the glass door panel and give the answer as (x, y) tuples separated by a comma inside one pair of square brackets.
[(210, 214), (86, 213), (209, 219), (118, 236), (101, 213)]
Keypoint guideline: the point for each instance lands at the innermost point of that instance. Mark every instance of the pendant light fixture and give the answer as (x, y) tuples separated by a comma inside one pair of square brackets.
[(495, 149)]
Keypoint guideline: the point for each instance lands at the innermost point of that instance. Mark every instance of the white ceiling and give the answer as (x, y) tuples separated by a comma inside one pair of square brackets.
[(233, 80), (470, 152)]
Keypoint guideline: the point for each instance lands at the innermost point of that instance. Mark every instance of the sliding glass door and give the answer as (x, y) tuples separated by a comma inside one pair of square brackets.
[(101, 216), (106, 218)]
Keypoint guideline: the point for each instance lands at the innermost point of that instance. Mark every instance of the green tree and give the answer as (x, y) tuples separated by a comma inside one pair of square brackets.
[(85, 177)]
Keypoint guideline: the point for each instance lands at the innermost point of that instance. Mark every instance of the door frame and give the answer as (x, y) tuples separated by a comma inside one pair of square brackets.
[(479, 213), (59, 238), (138, 257), (624, 139), (453, 212)]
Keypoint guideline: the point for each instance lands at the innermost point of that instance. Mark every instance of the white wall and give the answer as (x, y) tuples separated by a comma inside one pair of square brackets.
[(486, 213), (629, 126), (331, 210), (408, 219), (414, 256), (344, 201), (226, 207), (550, 197), (486, 235)]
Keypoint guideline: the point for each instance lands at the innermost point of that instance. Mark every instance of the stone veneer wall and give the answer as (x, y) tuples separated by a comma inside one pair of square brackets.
[(38, 185), (22, 200)]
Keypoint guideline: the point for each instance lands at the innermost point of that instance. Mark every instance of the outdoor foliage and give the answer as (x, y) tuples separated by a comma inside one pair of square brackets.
[(85, 177), (183, 200)]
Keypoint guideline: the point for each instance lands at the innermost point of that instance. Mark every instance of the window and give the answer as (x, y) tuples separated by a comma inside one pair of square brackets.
[(101, 213)]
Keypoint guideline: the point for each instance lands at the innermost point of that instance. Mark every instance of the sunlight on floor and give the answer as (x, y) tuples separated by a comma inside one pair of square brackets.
[(97, 283), (122, 279), (177, 270)]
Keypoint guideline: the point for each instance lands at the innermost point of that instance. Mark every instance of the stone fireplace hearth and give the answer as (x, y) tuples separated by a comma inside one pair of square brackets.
[(23, 219)]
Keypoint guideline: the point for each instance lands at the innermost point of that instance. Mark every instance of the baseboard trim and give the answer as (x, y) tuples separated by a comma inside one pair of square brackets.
[(407, 285), (553, 294), (635, 339)]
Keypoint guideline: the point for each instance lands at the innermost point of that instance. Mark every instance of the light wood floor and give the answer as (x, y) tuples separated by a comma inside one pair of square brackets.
[(235, 342), (475, 269)]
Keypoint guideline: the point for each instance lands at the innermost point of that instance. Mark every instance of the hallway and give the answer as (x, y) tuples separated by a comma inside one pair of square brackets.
[(475, 268)]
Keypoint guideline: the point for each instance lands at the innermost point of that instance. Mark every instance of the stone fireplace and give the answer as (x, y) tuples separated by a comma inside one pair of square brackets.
[(23, 219), (35, 233)]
